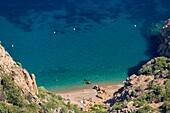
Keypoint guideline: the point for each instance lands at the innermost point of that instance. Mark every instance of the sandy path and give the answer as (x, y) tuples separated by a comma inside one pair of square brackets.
[(76, 96)]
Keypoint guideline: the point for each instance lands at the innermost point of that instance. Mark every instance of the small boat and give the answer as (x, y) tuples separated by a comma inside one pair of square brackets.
[(86, 81)]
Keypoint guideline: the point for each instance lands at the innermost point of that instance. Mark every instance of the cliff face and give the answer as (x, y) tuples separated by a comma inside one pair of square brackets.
[(146, 92), (164, 48), (149, 90), (19, 93), (22, 79)]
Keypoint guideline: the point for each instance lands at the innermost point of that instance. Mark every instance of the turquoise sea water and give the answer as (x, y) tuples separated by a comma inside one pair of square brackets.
[(65, 42)]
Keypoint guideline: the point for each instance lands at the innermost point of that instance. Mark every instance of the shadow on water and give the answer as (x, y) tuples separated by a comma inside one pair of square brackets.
[(148, 13), (153, 44), (134, 70)]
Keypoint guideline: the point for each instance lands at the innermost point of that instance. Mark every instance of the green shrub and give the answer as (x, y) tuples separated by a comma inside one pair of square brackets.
[(150, 85), (4, 108), (11, 92), (150, 96), (167, 89), (161, 63), (51, 104), (53, 95), (42, 92), (44, 109), (157, 90), (74, 108), (138, 103), (42, 89), (118, 106), (64, 110), (147, 70), (144, 109), (19, 64), (31, 108), (29, 97), (166, 107), (98, 108)]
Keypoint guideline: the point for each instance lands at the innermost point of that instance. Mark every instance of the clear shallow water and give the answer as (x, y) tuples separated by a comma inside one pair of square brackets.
[(104, 47)]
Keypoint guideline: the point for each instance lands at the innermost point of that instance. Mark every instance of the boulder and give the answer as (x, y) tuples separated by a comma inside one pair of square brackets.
[(101, 92)]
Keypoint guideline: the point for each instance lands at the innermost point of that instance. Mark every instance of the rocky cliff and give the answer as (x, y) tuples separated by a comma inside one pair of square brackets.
[(149, 90), (23, 80), (19, 92), (164, 48)]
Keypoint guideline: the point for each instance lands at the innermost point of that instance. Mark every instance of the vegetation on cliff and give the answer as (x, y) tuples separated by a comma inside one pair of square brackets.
[(13, 102), (147, 92), (19, 92), (11, 99)]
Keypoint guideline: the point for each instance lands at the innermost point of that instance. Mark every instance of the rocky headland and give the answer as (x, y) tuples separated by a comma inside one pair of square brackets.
[(149, 90)]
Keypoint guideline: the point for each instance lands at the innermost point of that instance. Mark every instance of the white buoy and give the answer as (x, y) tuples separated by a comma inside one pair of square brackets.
[(134, 25), (54, 32), (74, 28), (12, 45)]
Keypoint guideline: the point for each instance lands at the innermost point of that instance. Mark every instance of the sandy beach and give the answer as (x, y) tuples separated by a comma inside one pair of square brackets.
[(77, 96)]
